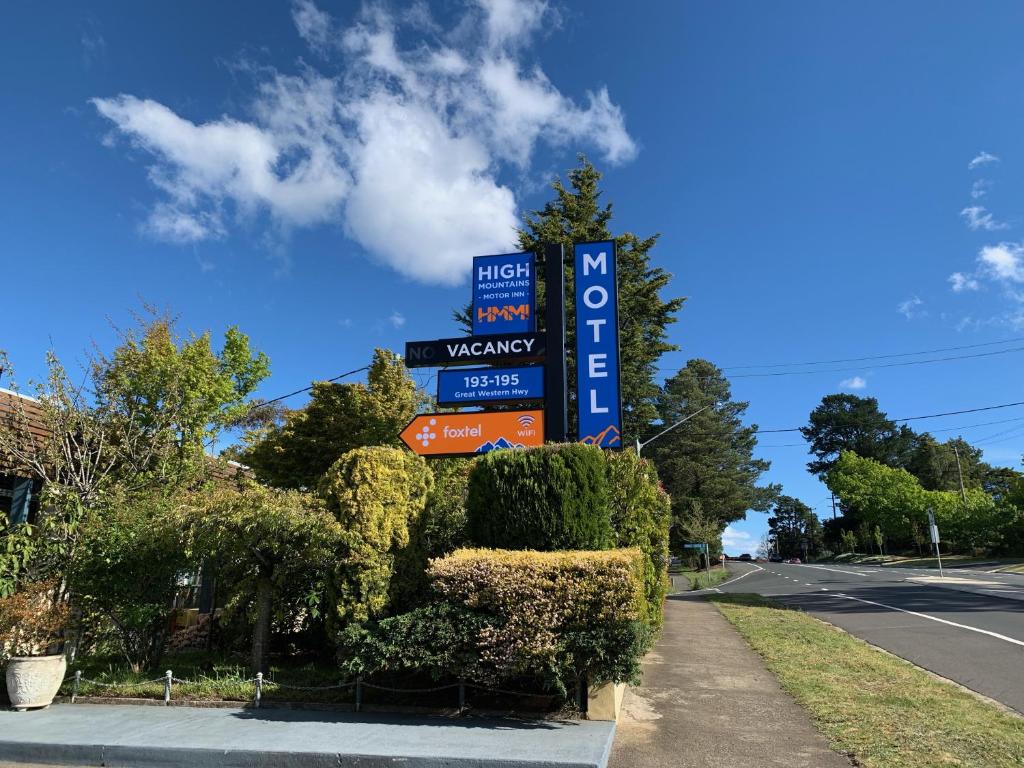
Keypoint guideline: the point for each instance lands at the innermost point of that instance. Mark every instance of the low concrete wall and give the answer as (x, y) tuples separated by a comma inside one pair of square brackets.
[(604, 702)]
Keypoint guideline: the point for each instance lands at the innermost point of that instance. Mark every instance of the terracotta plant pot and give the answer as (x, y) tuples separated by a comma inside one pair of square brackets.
[(33, 681)]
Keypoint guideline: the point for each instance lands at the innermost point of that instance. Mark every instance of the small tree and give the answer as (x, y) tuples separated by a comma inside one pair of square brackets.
[(377, 496), (265, 541)]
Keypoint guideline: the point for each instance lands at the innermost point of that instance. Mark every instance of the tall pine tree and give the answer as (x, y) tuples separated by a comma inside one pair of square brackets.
[(577, 214)]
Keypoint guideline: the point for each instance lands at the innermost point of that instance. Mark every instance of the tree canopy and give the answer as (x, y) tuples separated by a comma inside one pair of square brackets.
[(793, 528), (845, 422)]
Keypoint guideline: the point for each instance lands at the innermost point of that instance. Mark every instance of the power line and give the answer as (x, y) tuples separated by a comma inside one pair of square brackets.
[(873, 357), (858, 368), (931, 432), (339, 377), (915, 418)]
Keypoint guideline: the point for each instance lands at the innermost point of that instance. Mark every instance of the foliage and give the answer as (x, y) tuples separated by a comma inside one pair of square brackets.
[(32, 622), (641, 513), (337, 418), (698, 526), (439, 639), (937, 465), (577, 215), (141, 420), (265, 541), (845, 422), (127, 571), (564, 616), (444, 519), (17, 546), (377, 495), (894, 500), (794, 529), (710, 457), (549, 498)]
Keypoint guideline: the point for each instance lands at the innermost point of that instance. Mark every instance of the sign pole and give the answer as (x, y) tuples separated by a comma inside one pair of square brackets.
[(556, 390)]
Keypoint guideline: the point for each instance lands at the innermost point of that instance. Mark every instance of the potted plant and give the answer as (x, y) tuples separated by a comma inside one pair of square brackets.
[(32, 628)]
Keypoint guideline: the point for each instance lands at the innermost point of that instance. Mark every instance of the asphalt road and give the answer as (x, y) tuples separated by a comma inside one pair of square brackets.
[(976, 639)]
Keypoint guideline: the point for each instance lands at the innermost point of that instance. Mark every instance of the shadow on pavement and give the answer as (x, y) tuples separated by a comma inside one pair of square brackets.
[(272, 714)]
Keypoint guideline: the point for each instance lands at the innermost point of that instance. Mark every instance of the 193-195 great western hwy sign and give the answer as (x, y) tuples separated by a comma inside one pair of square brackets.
[(504, 294), (597, 345), (460, 386), (466, 350)]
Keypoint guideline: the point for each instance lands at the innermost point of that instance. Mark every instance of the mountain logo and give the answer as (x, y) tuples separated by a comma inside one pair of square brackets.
[(498, 444), (606, 438)]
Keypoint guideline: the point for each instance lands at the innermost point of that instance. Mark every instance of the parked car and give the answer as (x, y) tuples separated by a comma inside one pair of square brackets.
[(746, 557), (774, 558), (794, 560)]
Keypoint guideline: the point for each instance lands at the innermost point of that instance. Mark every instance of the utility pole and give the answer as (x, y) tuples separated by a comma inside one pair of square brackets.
[(640, 445), (833, 506), (960, 473)]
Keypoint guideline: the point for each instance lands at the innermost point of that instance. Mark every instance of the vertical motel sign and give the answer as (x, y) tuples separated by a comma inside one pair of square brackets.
[(597, 345)]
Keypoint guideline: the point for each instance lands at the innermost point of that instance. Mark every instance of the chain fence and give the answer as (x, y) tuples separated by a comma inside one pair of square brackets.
[(259, 684)]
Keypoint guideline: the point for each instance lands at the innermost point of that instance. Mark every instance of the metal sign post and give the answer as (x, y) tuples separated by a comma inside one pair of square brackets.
[(934, 530), (556, 387)]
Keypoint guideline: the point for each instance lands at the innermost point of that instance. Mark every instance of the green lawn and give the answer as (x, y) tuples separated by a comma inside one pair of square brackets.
[(883, 711)]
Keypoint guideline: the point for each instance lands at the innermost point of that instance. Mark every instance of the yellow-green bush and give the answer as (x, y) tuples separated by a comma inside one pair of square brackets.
[(378, 495), (562, 616)]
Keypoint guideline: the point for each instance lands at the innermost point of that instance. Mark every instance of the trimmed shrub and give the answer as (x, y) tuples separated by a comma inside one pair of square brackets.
[(641, 514), (378, 495), (550, 498), (444, 520), (563, 616)]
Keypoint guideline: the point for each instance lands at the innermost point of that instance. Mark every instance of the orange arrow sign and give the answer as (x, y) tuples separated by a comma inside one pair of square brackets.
[(462, 434)]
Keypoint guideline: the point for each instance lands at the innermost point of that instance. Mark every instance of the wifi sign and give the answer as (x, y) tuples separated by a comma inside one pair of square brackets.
[(526, 420)]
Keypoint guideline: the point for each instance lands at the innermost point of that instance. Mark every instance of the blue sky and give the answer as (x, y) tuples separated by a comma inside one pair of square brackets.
[(830, 180)]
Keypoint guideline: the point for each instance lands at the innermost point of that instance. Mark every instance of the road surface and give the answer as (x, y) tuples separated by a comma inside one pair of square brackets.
[(973, 637)]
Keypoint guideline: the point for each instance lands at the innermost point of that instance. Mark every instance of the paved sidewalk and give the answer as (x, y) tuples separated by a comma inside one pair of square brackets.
[(108, 735), (708, 700)]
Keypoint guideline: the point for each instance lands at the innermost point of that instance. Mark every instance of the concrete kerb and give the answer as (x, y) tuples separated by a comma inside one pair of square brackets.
[(159, 736)]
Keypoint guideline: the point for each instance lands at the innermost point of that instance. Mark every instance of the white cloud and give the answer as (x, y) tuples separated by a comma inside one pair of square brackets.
[(405, 149), (961, 282), (909, 308), (734, 540), (979, 218), (1004, 261), (980, 188), (397, 319), (312, 24), (982, 158), (855, 382)]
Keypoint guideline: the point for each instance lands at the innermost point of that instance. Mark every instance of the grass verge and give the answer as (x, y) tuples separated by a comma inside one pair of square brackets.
[(703, 579), (883, 711)]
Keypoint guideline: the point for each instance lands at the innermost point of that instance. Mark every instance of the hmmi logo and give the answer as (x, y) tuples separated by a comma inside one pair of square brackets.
[(507, 312)]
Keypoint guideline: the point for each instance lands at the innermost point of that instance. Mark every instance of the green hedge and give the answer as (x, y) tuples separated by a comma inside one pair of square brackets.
[(641, 513), (550, 498)]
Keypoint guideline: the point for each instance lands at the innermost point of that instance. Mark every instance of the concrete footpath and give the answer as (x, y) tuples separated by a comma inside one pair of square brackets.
[(708, 700), (111, 735)]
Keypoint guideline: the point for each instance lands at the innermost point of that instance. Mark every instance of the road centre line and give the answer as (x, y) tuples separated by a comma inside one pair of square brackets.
[(934, 618), (837, 570), (730, 581)]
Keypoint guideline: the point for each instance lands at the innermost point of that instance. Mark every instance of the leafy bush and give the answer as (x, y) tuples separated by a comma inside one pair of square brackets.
[(565, 616), (550, 498), (444, 520), (439, 639), (125, 573), (641, 513), (377, 494)]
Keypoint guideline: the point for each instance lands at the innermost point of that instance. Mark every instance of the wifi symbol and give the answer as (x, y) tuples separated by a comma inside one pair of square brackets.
[(526, 420)]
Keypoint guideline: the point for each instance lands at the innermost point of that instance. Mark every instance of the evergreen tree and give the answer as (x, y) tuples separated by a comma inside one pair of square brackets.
[(710, 458), (794, 529), (577, 214), (849, 423)]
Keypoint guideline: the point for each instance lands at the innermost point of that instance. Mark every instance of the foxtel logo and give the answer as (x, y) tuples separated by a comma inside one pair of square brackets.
[(508, 312)]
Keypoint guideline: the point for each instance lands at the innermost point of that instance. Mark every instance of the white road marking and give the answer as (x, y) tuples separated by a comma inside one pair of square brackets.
[(837, 570), (730, 581), (935, 618)]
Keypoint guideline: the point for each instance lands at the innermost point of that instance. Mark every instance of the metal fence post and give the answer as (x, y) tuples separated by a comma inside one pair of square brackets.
[(462, 696), (259, 688), (359, 693), (167, 687), (74, 688)]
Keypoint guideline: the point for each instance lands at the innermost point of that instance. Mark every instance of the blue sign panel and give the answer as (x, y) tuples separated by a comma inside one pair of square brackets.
[(488, 385), (597, 345), (504, 294)]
